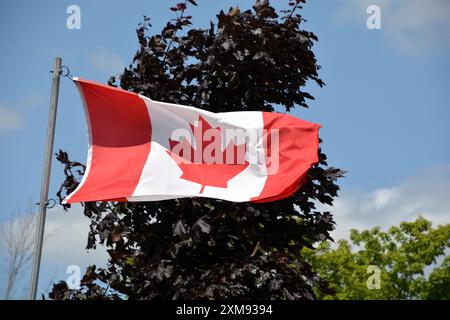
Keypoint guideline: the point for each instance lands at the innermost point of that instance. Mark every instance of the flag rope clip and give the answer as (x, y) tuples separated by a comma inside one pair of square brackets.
[(64, 71), (50, 203)]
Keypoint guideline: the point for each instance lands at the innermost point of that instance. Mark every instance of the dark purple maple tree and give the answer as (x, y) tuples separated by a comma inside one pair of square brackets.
[(198, 248)]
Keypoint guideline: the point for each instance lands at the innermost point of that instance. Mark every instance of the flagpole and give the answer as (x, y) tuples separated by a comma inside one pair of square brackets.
[(43, 202)]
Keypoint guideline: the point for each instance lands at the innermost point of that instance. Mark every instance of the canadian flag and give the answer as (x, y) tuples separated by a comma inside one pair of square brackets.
[(145, 150)]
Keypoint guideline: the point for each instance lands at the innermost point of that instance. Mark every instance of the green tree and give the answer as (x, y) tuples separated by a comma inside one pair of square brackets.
[(403, 254), (438, 284), (205, 248)]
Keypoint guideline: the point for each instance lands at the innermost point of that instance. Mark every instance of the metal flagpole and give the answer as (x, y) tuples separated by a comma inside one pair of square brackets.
[(43, 202)]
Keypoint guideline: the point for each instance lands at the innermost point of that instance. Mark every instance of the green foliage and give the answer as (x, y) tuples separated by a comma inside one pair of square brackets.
[(404, 254), (438, 284), (204, 248)]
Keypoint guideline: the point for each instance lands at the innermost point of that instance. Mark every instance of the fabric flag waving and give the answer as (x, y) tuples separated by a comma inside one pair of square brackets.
[(145, 150)]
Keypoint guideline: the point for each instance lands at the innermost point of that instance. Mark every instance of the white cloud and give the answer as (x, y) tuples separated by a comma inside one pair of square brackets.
[(383, 197), (10, 119), (426, 194), (12, 116), (65, 245), (105, 61), (31, 101), (416, 27), (67, 237)]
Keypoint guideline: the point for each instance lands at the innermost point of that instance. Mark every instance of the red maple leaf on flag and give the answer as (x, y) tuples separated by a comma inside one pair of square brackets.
[(214, 171)]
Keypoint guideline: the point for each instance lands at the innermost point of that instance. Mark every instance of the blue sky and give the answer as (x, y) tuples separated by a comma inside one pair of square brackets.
[(385, 109)]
